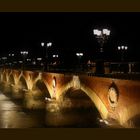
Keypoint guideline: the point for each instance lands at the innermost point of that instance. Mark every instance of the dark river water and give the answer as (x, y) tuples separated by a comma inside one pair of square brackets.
[(13, 115)]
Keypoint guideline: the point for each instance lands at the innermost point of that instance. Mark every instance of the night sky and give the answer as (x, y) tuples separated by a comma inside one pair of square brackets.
[(70, 33)]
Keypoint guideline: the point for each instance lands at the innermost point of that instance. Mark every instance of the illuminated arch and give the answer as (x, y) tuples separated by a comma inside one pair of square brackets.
[(93, 96), (78, 102), (22, 83), (79, 96), (97, 101)]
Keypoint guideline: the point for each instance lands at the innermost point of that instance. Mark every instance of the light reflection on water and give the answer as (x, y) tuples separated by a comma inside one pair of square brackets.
[(13, 115)]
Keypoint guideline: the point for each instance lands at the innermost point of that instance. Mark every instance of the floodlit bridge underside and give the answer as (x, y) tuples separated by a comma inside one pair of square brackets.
[(114, 98)]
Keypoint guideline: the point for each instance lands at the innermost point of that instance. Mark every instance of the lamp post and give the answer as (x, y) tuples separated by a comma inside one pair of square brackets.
[(11, 55), (24, 55), (55, 56), (79, 56), (55, 60), (40, 63), (46, 46), (122, 49), (101, 36)]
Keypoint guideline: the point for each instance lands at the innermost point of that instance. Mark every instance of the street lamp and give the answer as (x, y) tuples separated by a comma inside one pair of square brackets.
[(122, 49), (46, 46), (11, 55), (79, 55), (102, 36), (55, 59), (24, 55), (55, 56), (39, 61)]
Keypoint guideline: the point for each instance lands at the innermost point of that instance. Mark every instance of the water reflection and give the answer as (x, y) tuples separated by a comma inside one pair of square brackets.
[(13, 115)]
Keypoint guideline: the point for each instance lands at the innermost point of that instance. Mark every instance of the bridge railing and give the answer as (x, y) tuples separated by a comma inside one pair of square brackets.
[(125, 70)]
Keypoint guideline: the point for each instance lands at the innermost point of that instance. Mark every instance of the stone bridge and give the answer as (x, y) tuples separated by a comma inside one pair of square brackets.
[(114, 98)]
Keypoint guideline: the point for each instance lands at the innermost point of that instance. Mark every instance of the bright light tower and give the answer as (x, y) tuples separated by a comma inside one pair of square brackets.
[(102, 36), (122, 49)]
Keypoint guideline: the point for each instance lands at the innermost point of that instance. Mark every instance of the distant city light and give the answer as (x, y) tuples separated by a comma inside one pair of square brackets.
[(28, 59), (34, 63), (24, 52), (4, 58), (39, 59), (20, 61)]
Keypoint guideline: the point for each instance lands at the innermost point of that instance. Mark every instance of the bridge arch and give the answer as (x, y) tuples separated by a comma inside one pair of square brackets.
[(4, 77), (97, 101), (11, 79), (41, 87), (79, 95), (78, 104), (92, 96), (22, 83)]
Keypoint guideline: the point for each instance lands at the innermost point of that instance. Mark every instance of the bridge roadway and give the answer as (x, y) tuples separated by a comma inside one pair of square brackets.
[(115, 99)]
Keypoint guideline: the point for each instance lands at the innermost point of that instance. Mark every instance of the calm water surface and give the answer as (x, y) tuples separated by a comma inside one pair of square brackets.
[(13, 115)]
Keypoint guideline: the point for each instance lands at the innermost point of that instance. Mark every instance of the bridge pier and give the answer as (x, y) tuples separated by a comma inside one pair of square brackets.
[(34, 100), (17, 92)]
